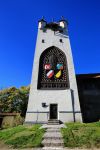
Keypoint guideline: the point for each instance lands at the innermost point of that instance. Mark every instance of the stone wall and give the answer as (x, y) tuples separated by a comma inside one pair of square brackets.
[(10, 120)]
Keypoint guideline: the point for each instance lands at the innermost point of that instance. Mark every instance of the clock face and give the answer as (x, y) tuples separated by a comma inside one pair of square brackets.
[(53, 69)]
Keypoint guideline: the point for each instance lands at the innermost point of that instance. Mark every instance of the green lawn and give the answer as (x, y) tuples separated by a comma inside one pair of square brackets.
[(82, 135), (75, 135), (22, 136)]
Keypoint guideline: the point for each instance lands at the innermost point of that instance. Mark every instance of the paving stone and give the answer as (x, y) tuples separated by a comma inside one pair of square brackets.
[(53, 138), (52, 135), (52, 142), (52, 148), (52, 130), (53, 126)]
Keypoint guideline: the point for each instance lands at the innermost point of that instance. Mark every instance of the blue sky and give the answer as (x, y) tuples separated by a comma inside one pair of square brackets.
[(18, 31)]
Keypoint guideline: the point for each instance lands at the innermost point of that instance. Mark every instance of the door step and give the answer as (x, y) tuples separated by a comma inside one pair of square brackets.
[(53, 122)]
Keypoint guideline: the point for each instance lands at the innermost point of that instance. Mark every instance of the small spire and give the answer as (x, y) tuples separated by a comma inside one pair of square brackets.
[(52, 19), (62, 17), (43, 17)]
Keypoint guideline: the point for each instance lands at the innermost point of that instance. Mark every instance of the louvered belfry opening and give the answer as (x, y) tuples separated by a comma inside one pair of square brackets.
[(53, 72)]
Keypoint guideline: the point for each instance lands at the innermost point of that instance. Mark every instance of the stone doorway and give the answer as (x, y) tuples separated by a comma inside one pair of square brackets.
[(53, 111)]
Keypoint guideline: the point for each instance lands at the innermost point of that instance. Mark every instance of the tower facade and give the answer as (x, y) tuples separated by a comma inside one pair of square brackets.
[(53, 90)]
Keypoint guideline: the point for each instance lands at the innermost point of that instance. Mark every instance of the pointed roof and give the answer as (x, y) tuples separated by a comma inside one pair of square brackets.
[(62, 19), (42, 20)]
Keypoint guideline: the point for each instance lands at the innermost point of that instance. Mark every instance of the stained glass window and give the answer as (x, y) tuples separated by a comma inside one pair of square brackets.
[(53, 72)]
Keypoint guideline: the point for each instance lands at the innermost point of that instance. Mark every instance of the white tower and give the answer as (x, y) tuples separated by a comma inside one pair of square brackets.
[(53, 92)]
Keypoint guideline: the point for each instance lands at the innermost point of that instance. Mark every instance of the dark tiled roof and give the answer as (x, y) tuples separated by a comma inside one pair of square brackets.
[(86, 76)]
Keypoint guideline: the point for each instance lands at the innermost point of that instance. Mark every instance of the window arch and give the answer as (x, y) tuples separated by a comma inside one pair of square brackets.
[(53, 73)]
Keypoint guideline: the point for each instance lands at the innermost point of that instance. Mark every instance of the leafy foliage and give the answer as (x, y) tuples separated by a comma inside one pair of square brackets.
[(14, 100)]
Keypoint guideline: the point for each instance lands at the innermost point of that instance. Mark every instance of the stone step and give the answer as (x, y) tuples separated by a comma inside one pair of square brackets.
[(53, 148), (53, 122), (52, 135), (52, 142), (46, 126), (53, 130)]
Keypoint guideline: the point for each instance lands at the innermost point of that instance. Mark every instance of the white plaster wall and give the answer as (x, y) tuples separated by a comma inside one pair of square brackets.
[(62, 97)]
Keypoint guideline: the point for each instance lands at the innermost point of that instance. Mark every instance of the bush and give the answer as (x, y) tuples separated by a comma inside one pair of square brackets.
[(14, 100), (18, 120)]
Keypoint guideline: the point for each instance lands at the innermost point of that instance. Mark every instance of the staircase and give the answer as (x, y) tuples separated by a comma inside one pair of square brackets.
[(53, 122), (53, 137)]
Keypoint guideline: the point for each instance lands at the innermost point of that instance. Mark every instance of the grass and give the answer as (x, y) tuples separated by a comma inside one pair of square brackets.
[(22, 136), (75, 135), (82, 135)]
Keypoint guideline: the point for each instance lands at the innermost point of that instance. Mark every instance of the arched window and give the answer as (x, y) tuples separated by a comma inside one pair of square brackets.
[(53, 72)]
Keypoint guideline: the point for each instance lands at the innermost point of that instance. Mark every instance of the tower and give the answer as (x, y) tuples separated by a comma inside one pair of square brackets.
[(53, 91)]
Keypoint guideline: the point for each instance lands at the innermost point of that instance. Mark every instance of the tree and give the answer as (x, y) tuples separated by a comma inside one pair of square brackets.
[(14, 100)]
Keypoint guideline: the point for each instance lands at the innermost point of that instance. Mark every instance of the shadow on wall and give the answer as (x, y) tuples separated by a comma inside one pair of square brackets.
[(89, 96)]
